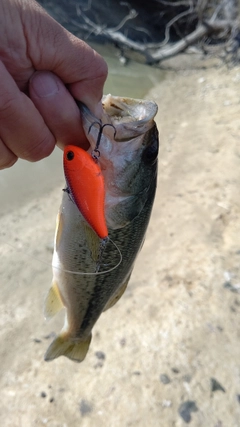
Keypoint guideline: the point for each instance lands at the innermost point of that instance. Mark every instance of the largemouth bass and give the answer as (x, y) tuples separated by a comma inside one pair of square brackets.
[(87, 278)]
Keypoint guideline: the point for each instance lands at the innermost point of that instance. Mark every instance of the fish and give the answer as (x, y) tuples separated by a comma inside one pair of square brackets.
[(92, 268)]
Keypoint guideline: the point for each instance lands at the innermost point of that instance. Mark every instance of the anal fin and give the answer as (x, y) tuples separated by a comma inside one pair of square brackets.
[(53, 302)]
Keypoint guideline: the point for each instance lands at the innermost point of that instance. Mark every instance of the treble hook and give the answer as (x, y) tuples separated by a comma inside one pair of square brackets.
[(96, 153)]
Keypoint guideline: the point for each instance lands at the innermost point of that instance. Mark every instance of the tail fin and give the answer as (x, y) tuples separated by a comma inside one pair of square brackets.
[(63, 346)]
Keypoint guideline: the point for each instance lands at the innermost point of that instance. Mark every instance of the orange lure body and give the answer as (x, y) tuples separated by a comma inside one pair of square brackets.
[(86, 184)]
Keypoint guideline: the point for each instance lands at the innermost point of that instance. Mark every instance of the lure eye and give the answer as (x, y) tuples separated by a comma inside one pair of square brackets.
[(70, 155)]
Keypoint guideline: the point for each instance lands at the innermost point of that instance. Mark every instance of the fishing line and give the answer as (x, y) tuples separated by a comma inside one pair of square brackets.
[(96, 273), (78, 273)]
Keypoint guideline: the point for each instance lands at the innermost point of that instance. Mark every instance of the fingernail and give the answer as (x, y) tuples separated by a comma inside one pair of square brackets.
[(44, 84)]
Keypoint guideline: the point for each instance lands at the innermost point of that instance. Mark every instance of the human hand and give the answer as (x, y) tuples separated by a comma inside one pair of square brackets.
[(43, 68)]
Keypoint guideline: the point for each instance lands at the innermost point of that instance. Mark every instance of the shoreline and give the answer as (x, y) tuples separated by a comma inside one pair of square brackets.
[(176, 328)]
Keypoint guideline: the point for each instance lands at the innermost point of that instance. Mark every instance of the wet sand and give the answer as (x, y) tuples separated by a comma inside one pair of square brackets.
[(168, 353)]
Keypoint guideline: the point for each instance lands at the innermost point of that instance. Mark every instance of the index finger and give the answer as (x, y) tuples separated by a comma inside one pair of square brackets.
[(22, 128)]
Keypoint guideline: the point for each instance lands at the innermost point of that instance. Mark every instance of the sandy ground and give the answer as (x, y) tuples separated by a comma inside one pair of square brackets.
[(168, 354)]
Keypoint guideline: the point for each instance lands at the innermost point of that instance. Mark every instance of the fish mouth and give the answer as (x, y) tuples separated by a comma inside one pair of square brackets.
[(129, 109), (130, 117)]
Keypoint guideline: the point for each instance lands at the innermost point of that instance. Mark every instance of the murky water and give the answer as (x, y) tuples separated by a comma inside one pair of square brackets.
[(26, 180)]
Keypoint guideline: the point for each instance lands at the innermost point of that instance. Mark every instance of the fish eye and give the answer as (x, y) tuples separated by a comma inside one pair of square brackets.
[(70, 155)]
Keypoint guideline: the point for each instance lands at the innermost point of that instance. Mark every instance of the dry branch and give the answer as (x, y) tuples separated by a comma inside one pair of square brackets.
[(201, 31)]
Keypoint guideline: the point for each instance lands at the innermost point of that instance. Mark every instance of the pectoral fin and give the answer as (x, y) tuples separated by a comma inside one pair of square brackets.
[(92, 241), (53, 302), (63, 346), (117, 295), (58, 232)]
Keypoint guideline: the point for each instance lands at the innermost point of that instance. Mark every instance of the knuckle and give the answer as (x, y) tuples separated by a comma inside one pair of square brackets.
[(6, 106), (40, 149)]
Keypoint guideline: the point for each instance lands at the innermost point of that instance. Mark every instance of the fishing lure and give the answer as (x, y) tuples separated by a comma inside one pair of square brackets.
[(86, 186)]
